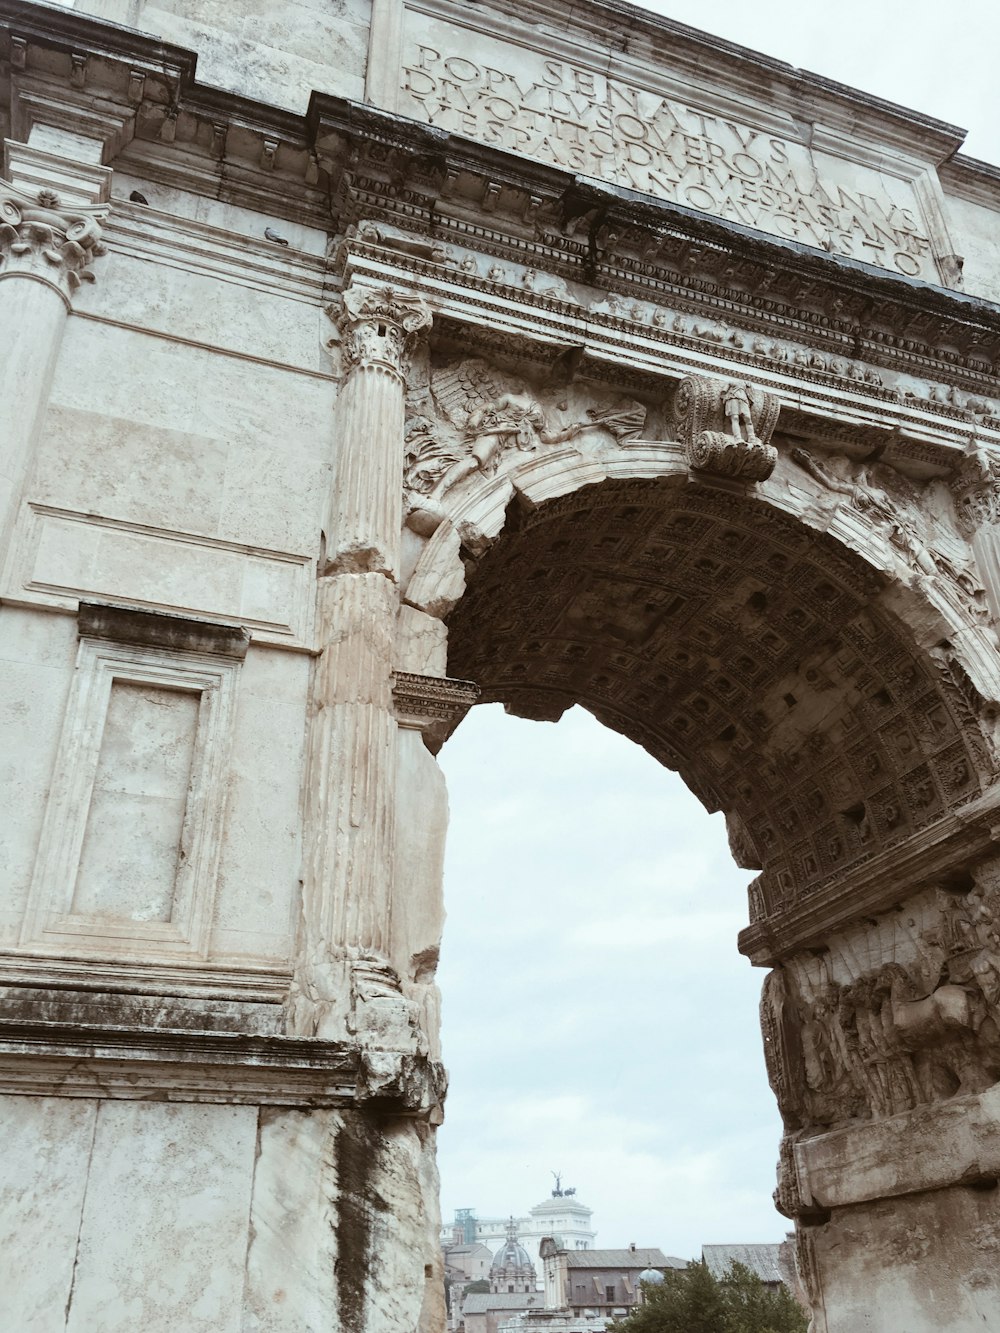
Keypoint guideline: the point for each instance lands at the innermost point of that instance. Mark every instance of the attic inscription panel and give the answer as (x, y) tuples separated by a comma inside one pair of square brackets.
[(703, 152)]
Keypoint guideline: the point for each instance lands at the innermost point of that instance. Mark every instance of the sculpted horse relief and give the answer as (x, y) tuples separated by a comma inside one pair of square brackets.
[(896, 1036)]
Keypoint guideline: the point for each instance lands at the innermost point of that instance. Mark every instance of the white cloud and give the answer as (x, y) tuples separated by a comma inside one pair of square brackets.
[(596, 1014)]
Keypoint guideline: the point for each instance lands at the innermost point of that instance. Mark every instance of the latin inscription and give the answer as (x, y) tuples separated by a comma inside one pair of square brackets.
[(591, 125)]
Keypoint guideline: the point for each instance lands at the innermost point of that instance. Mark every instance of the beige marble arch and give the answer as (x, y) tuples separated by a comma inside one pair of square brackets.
[(367, 363)]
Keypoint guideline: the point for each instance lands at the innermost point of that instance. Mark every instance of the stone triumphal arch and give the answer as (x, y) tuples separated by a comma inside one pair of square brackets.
[(362, 362)]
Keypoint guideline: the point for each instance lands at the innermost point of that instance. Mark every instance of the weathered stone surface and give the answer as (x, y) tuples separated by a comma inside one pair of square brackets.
[(379, 406)]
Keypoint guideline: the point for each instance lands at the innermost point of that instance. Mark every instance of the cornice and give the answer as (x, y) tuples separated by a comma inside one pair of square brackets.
[(969, 178), (370, 163), (90, 1060), (198, 1065), (434, 705), (607, 236), (63, 30), (871, 884)]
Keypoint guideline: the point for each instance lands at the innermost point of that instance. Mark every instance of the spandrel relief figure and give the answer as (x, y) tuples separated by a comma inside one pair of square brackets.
[(868, 498), (935, 561), (484, 415)]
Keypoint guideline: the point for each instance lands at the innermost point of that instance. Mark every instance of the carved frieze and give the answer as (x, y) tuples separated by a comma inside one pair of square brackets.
[(42, 238), (727, 427), (380, 327), (901, 1013)]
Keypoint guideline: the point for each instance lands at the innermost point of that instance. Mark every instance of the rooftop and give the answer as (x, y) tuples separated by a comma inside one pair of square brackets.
[(638, 1258), (760, 1259), (478, 1302)]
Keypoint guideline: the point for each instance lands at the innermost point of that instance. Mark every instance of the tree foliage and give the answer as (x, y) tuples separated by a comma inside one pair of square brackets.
[(692, 1300)]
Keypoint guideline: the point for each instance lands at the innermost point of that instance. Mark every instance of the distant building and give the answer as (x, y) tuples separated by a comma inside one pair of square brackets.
[(512, 1271), (562, 1215), (463, 1264), (485, 1311), (592, 1283), (774, 1264)]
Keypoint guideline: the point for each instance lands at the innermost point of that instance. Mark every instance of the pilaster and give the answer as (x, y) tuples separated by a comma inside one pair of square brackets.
[(344, 979), (976, 488), (49, 238)]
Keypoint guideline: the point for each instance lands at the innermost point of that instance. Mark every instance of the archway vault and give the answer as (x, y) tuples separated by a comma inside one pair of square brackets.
[(760, 658)]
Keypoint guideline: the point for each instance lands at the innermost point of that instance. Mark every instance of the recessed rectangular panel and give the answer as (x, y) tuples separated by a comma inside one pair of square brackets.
[(133, 843)]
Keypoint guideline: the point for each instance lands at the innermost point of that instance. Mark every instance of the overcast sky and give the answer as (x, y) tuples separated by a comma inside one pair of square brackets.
[(597, 1017)]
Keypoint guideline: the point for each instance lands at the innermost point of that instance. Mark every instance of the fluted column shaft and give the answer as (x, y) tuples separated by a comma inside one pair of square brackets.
[(347, 885), (352, 752)]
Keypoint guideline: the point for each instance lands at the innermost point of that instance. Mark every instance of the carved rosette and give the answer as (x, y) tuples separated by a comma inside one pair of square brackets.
[(727, 427), (380, 328), (976, 488), (44, 239)]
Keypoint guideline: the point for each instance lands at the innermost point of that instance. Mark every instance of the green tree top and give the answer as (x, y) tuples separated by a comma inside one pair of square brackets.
[(691, 1300)]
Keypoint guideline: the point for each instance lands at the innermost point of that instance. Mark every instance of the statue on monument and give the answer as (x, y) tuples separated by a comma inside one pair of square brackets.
[(739, 412)]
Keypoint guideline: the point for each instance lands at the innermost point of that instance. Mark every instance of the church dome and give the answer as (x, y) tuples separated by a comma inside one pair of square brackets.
[(651, 1275), (512, 1269), (511, 1254)]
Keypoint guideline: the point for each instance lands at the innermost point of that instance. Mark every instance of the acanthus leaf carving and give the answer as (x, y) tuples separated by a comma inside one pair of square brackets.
[(42, 237), (727, 427), (380, 327), (976, 488)]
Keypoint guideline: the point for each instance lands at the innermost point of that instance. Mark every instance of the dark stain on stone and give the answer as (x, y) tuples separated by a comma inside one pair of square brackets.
[(358, 1148)]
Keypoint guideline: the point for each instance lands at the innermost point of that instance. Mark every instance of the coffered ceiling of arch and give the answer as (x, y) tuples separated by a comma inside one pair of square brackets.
[(736, 646)]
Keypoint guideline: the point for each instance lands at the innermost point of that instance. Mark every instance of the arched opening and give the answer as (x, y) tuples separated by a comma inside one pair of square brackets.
[(794, 687), (757, 657), (596, 1017)]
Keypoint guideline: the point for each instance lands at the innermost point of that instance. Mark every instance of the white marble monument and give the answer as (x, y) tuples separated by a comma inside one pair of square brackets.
[(360, 360)]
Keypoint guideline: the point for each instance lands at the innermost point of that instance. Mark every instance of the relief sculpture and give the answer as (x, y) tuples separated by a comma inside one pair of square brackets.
[(899, 1035), (922, 549), (727, 427), (485, 416)]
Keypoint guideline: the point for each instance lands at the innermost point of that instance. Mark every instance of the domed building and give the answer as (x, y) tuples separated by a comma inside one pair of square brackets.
[(512, 1269)]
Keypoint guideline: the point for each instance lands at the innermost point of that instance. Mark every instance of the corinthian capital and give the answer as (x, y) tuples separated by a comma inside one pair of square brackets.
[(976, 488), (42, 238), (381, 326)]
